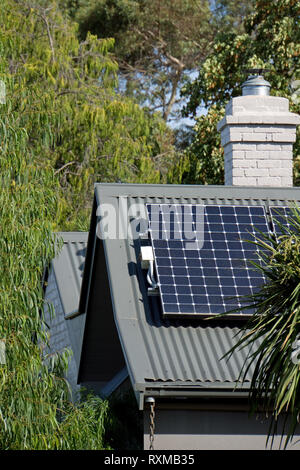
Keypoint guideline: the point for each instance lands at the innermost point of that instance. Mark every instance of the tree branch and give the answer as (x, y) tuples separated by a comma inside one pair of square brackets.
[(50, 38), (172, 99), (63, 167)]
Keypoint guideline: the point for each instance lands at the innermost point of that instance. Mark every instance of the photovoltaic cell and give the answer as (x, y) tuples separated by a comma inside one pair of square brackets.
[(281, 217), (201, 255)]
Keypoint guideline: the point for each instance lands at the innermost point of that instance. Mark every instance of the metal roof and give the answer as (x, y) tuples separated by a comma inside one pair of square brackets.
[(68, 268), (183, 356)]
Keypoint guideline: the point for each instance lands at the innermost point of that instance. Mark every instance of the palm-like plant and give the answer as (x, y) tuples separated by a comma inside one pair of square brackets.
[(273, 330)]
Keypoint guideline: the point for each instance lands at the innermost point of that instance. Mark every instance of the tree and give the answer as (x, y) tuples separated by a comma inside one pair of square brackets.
[(35, 411), (157, 44), (271, 40), (65, 96), (229, 15), (204, 156)]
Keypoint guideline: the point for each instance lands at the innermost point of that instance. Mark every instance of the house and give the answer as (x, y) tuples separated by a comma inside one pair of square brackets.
[(115, 321)]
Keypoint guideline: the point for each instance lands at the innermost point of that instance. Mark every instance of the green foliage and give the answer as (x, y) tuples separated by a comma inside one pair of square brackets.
[(34, 408), (124, 422), (271, 40), (274, 327), (83, 425), (65, 95), (108, 19), (209, 169)]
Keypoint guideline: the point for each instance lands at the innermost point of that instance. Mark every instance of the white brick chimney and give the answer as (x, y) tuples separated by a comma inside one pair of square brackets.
[(257, 134)]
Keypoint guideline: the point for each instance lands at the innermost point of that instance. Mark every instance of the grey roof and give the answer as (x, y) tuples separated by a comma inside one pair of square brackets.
[(115, 383), (166, 356), (68, 268)]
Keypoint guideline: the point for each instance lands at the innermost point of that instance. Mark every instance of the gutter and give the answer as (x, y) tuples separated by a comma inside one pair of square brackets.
[(189, 392)]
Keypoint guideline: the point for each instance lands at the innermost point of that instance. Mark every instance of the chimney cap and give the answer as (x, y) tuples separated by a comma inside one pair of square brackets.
[(256, 84)]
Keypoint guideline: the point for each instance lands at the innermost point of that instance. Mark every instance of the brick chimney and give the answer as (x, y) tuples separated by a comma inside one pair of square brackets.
[(257, 134)]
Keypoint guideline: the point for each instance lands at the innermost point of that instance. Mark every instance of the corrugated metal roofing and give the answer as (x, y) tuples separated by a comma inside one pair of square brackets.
[(161, 352), (68, 268), (191, 353)]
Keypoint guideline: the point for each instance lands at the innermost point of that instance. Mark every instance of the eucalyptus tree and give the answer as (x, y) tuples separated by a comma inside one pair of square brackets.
[(35, 411)]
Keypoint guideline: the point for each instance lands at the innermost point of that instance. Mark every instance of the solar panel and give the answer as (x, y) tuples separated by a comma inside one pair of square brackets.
[(201, 255), (281, 217)]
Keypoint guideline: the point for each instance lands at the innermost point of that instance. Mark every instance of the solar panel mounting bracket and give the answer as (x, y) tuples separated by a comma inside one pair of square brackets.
[(153, 291)]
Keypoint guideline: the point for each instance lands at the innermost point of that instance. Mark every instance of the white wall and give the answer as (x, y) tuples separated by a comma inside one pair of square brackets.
[(257, 134), (209, 430)]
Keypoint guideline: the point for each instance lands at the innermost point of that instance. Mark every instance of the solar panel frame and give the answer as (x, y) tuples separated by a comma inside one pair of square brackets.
[(191, 281)]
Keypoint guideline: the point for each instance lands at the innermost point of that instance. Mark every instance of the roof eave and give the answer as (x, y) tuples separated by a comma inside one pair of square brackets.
[(194, 391)]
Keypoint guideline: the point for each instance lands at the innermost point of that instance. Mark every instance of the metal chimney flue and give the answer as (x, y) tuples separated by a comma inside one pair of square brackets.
[(256, 84)]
